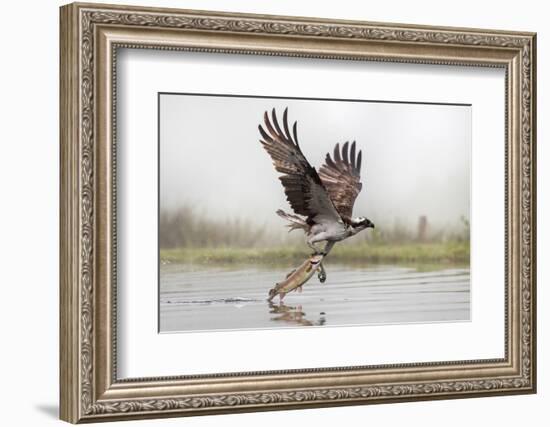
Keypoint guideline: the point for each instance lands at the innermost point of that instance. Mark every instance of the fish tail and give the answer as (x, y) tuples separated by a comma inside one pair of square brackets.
[(272, 293)]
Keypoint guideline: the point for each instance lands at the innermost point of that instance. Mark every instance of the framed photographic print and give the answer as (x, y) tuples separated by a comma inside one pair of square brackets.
[(265, 212)]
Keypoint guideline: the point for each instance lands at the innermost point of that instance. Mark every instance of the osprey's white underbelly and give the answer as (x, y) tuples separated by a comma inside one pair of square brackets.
[(331, 231)]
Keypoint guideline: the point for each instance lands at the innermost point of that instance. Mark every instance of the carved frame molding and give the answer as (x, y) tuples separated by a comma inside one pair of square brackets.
[(90, 35)]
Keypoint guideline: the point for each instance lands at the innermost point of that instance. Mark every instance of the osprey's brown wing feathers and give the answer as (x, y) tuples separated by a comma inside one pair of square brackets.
[(341, 177), (303, 187)]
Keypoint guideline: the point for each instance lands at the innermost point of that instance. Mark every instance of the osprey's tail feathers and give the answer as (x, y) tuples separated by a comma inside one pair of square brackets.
[(295, 222)]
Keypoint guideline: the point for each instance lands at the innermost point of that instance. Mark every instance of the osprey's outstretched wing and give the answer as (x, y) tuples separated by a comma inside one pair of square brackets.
[(303, 187), (341, 177)]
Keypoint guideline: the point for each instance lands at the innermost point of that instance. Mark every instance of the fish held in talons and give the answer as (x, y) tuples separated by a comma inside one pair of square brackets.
[(297, 277)]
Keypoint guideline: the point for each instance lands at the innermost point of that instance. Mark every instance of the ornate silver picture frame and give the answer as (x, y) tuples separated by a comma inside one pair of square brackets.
[(91, 37)]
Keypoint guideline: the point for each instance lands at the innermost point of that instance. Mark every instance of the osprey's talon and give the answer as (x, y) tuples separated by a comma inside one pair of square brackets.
[(321, 273)]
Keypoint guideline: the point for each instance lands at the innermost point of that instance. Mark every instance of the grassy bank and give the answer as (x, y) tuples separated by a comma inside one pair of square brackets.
[(456, 252)]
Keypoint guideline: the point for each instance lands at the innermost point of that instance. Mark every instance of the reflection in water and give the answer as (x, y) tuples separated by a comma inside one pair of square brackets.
[(207, 298), (293, 315)]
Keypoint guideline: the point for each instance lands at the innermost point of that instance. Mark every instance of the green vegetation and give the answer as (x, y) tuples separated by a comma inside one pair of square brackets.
[(186, 236), (451, 252)]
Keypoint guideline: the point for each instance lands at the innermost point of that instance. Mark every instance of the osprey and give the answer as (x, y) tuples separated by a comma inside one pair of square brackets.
[(322, 201)]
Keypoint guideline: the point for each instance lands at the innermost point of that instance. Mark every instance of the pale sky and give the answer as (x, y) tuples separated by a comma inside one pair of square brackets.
[(416, 157)]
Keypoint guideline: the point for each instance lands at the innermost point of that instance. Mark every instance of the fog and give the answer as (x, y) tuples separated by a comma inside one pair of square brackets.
[(416, 157)]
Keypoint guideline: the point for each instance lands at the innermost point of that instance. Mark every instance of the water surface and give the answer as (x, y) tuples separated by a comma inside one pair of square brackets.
[(198, 298)]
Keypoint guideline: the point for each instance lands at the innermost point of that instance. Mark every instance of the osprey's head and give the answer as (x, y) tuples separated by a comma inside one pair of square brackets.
[(361, 223)]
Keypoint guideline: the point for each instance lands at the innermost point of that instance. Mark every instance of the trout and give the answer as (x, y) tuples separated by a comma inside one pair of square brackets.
[(297, 277)]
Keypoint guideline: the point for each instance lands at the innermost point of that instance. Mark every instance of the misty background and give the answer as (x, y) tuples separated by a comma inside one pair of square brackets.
[(218, 185)]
